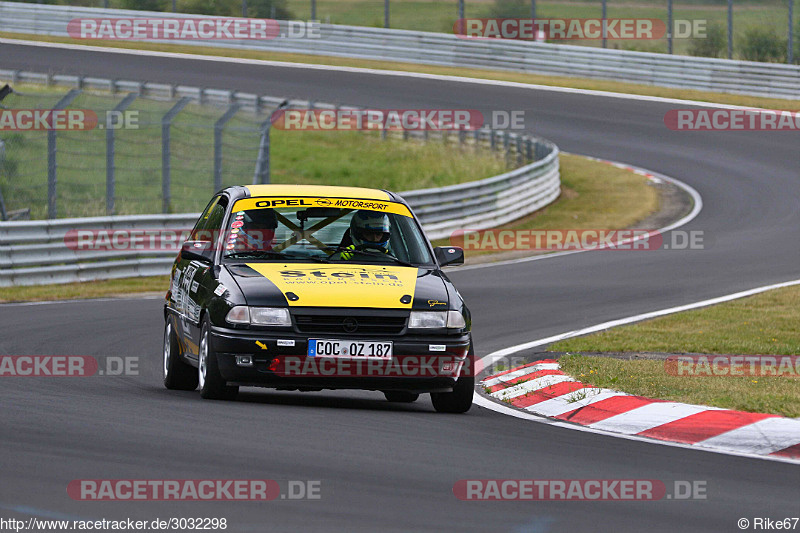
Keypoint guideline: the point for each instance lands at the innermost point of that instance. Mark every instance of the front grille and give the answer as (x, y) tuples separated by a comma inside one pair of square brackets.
[(343, 324)]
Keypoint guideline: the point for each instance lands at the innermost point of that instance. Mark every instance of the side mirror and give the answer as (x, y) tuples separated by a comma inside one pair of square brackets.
[(198, 251), (449, 255)]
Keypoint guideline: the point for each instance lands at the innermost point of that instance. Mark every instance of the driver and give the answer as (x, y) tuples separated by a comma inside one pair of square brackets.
[(258, 231), (368, 230)]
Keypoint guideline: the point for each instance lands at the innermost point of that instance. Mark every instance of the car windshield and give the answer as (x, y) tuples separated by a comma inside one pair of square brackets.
[(266, 229)]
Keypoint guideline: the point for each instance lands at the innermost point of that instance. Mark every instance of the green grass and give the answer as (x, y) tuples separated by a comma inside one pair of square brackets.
[(88, 289), (762, 324), (440, 15), (773, 395), (593, 196), (333, 158), (765, 324)]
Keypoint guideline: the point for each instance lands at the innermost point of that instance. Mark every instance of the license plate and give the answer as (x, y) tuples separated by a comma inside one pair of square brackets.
[(349, 349)]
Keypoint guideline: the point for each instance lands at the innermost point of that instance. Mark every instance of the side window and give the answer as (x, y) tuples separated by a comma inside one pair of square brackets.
[(210, 223)]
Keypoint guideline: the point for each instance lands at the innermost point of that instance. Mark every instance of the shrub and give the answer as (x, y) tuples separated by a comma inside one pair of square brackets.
[(762, 44), (714, 44)]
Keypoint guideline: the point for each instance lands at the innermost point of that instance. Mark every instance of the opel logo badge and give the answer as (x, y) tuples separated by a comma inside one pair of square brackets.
[(350, 325)]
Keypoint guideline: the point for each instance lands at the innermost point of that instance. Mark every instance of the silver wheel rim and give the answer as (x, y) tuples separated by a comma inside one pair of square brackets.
[(203, 361), (167, 348)]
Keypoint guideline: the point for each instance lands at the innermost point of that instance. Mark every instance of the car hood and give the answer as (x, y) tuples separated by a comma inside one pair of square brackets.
[(341, 285)]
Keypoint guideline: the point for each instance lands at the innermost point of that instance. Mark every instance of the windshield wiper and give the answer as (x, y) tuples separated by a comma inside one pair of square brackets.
[(277, 255), (371, 253)]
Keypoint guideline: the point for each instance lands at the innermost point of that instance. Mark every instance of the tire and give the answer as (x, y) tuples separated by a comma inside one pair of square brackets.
[(212, 386), (177, 374), (460, 400), (400, 396)]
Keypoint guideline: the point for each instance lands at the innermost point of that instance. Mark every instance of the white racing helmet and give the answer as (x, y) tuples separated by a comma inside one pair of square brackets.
[(370, 229)]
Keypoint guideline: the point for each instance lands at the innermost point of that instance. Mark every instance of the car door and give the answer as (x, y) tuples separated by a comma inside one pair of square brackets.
[(190, 278)]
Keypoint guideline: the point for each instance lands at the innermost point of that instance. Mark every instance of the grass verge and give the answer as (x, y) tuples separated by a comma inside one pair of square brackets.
[(328, 157), (765, 324), (556, 81), (586, 185), (87, 289)]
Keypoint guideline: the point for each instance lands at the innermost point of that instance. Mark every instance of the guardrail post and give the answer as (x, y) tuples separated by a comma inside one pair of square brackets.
[(529, 148), (111, 152), (507, 145), (2, 165), (385, 13), (533, 9), (790, 38), (313, 9), (262, 174), (462, 136), (730, 29), (605, 25), (492, 141), (166, 122), (219, 125), (52, 179), (669, 26)]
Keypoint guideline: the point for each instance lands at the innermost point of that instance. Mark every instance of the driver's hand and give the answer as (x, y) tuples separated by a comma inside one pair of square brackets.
[(348, 255)]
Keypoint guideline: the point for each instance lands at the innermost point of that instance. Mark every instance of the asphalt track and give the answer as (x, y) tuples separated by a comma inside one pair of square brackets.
[(385, 467)]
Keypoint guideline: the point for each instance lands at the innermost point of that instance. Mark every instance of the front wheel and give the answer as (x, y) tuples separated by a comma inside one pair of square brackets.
[(212, 385), (460, 400), (177, 374)]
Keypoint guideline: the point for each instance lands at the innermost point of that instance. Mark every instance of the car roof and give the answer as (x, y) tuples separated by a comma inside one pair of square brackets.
[(331, 191)]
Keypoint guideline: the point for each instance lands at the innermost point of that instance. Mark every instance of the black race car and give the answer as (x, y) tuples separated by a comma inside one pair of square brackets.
[(312, 287)]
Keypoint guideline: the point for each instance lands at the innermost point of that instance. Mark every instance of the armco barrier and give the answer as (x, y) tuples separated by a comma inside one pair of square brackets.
[(35, 252), (744, 77)]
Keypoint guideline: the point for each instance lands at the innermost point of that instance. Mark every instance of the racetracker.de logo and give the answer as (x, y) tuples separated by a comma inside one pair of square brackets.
[(732, 120), (733, 365), (47, 119), (173, 28), (559, 29), (378, 119), (174, 489)]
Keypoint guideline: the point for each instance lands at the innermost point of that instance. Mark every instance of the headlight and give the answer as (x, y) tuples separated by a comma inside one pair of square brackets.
[(239, 315), (270, 316), (436, 319), (260, 316)]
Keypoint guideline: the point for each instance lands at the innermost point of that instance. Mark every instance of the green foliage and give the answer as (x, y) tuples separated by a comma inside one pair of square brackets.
[(714, 44), (762, 44), (263, 9), (510, 9), (145, 5)]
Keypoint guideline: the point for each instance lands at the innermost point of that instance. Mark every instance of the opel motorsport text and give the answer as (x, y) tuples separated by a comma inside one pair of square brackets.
[(311, 287)]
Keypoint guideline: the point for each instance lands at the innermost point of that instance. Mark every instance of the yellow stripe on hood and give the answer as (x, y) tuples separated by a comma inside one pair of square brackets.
[(319, 285)]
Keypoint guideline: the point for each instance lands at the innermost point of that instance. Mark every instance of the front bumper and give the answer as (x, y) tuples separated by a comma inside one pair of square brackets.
[(280, 360)]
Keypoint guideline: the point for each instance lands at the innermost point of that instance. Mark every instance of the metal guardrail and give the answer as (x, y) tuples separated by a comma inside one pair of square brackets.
[(723, 75), (36, 252)]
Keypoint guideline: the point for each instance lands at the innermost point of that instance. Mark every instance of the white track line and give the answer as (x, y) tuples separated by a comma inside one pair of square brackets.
[(377, 72), (757, 436)]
